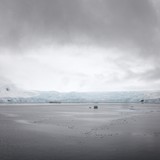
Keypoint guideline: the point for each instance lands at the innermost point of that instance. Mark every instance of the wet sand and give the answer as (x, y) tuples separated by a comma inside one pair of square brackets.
[(74, 131)]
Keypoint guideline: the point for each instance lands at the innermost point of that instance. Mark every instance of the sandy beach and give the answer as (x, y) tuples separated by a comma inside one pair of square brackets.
[(76, 131)]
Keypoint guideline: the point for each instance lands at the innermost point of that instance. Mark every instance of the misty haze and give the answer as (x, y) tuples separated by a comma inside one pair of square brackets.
[(79, 79)]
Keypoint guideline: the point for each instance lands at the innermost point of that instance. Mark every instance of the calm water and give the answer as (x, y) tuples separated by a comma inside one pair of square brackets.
[(77, 131)]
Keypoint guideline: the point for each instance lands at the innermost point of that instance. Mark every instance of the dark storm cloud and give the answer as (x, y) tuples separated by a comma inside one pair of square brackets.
[(118, 39), (151, 75), (118, 23)]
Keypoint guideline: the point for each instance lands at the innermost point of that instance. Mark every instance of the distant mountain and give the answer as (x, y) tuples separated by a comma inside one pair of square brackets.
[(9, 93)]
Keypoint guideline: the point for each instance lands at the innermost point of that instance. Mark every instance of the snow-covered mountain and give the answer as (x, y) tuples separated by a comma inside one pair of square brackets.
[(9, 93), (12, 91)]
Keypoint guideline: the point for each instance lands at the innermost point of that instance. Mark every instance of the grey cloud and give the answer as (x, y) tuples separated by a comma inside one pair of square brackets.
[(120, 23), (151, 75), (132, 25)]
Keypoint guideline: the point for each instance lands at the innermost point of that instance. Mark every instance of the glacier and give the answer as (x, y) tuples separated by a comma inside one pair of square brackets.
[(11, 94)]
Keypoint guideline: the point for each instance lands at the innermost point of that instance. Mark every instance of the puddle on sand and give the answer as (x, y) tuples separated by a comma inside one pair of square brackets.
[(9, 114), (22, 121)]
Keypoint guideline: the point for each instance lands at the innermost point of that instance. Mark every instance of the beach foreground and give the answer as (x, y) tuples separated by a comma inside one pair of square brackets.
[(79, 132)]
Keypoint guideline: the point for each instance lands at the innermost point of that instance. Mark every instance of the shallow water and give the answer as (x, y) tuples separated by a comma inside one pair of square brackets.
[(76, 131)]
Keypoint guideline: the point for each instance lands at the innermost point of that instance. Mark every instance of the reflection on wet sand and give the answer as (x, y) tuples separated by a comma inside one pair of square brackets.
[(113, 131)]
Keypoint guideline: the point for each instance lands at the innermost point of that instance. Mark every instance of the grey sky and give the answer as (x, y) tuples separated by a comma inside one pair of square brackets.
[(80, 45)]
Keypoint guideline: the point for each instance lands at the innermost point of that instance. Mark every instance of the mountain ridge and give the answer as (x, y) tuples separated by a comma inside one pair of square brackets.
[(9, 93)]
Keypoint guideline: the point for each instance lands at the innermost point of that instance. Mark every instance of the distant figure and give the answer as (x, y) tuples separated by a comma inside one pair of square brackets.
[(95, 107), (142, 101), (7, 89)]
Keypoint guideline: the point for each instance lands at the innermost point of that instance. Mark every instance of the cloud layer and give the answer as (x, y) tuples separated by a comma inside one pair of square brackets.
[(82, 45)]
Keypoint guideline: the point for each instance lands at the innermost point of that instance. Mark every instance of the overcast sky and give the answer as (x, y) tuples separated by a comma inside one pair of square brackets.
[(80, 45)]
